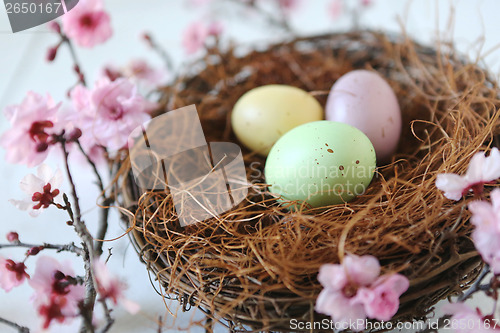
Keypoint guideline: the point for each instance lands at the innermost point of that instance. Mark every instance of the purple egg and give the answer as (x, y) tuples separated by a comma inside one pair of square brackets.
[(363, 99)]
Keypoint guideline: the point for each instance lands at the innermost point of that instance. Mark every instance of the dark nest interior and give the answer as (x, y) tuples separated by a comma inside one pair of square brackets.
[(255, 266)]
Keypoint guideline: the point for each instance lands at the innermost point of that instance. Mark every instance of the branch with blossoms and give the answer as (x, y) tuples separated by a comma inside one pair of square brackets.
[(90, 127)]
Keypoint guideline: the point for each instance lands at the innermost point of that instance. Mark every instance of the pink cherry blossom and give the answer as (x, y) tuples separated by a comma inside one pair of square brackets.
[(355, 290), (143, 74), (288, 6), (358, 270), (472, 321), (335, 8), (41, 189), (486, 216), (111, 287), (12, 274), (108, 113), (486, 235), (56, 292), (88, 24), (194, 37), (366, 3), (341, 309), (196, 34), (481, 170), (381, 300), (32, 122)]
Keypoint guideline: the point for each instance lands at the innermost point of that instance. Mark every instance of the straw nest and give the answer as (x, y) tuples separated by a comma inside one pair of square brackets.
[(255, 266)]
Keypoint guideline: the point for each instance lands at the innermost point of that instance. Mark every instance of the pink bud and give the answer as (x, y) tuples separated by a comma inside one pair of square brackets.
[(55, 26), (147, 37), (52, 53), (74, 135), (13, 237), (41, 147), (34, 250)]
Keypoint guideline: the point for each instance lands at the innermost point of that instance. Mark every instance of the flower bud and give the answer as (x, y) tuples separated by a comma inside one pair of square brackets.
[(52, 53), (13, 237)]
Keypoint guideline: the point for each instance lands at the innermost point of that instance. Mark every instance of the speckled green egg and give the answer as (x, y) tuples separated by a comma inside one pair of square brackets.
[(322, 163)]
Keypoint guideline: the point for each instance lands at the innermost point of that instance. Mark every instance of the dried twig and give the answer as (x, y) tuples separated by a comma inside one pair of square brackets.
[(87, 245), (60, 248), (19, 328)]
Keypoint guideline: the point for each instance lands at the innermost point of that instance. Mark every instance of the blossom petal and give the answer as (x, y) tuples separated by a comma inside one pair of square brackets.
[(332, 276), (130, 306), (362, 270), (452, 185), (21, 204), (483, 215), (44, 173), (491, 166), (31, 184)]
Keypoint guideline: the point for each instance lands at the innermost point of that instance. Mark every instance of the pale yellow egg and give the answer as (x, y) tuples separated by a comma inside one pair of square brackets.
[(262, 115)]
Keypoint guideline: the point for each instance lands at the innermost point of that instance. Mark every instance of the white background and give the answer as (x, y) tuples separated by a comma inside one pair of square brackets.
[(23, 67)]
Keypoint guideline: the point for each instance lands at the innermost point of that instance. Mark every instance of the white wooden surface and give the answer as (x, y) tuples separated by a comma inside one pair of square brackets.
[(22, 68)]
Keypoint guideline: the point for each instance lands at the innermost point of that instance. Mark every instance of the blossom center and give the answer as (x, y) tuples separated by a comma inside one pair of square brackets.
[(53, 310), (115, 112), (87, 21), (60, 284), (350, 290), (37, 130), (46, 198), (18, 268)]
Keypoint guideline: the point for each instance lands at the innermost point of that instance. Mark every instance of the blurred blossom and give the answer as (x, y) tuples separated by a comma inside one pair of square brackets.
[(196, 34), (12, 274), (482, 170), (111, 287), (32, 122), (486, 235), (88, 24), (56, 294), (144, 74), (467, 319), (335, 8), (288, 6), (40, 189)]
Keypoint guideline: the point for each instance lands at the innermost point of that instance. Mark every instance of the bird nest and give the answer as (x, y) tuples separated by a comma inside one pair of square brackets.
[(255, 266)]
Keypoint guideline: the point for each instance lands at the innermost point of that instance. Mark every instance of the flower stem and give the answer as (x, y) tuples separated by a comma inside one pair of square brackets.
[(87, 308), (67, 41), (104, 213), (19, 328), (60, 248)]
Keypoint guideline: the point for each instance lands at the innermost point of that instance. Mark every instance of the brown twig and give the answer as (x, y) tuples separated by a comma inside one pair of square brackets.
[(104, 212), (77, 68), (280, 22), (107, 313), (19, 328), (87, 245), (160, 51), (60, 248)]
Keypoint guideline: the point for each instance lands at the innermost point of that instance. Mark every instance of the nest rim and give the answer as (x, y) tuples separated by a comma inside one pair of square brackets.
[(428, 284)]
